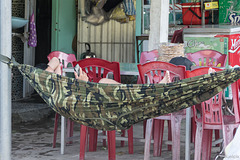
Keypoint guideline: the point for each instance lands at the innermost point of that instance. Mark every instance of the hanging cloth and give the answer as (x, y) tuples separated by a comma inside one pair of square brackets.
[(129, 7), (116, 107), (32, 40)]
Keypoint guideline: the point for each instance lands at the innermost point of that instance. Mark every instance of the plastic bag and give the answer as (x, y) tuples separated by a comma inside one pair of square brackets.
[(118, 13)]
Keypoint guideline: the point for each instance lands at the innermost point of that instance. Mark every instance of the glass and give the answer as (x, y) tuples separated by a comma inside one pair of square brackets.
[(146, 19)]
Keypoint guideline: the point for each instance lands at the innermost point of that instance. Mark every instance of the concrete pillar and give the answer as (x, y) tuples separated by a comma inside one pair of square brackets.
[(5, 80), (159, 20)]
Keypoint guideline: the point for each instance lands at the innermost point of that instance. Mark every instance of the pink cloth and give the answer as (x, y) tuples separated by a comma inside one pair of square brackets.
[(32, 40)]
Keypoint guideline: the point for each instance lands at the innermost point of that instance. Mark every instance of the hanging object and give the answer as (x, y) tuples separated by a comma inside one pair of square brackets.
[(88, 53), (32, 40), (115, 107)]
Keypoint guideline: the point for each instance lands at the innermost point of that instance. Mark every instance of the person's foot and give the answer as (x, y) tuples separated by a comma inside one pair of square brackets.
[(82, 75), (166, 78), (53, 64), (210, 70)]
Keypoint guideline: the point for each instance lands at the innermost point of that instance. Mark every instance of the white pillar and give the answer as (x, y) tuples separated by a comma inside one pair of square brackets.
[(5, 81), (159, 20)]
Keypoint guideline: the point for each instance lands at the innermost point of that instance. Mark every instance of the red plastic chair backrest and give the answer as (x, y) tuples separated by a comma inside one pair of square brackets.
[(92, 66), (208, 57), (212, 108), (64, 58), (235, 99), (148, 56), (156, 70)]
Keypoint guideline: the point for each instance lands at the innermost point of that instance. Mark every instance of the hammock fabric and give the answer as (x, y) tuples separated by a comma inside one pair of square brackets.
[(116, 107)]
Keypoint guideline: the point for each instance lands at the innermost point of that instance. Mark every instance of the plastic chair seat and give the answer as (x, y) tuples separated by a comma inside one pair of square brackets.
[(228, 120)]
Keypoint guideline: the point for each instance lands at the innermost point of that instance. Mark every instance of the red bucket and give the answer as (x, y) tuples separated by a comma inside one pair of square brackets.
[(191, 13)]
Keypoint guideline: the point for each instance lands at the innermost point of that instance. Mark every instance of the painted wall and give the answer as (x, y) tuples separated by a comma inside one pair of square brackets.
[(64, 25)]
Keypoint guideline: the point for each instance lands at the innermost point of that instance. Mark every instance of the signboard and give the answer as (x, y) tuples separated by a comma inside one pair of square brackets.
[(194, 44), (233, 48), (229, 11)]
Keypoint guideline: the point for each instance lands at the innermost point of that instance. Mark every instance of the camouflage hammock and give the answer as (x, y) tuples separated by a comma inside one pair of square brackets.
[(115, 107)]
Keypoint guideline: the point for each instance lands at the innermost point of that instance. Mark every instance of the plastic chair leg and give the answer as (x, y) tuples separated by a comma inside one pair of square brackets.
[(217, 136), (104, 140), (144, 128), (228, 134), (158, 137), (176, 127), (83, 138), (55, 130), (111, 145), (69, 130), (93, 133), (122, 135), (206, 144), (148, 135), (193, 130), (169, 135), (130, 140), (198, 142)]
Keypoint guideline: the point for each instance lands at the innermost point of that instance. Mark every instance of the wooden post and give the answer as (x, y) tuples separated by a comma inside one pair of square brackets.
[(159, 20)]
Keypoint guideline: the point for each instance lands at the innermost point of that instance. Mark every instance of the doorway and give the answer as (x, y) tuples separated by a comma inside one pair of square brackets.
[(43, 27)]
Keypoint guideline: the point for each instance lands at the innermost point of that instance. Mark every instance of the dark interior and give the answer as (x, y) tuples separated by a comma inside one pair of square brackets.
[(43, 27)]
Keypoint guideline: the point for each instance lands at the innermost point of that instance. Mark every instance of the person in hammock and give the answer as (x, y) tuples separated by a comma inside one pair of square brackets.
[(55, 67), (117, 107)]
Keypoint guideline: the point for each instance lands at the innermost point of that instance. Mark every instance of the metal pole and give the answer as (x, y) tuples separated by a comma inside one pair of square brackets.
[(203, 12), (174, 12), (5, 81), (188, 134)]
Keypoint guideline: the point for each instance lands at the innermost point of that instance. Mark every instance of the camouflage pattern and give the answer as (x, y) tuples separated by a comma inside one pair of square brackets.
[(116, 107)]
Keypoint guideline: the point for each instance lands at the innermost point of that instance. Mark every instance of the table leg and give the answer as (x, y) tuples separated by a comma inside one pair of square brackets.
[(63, 134), (188, 134)]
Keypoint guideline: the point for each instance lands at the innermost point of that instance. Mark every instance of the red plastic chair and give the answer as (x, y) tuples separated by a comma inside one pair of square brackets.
[(155, 71), (211, 118), (147, 56), (208, 57), (65, 59), (92, 66)]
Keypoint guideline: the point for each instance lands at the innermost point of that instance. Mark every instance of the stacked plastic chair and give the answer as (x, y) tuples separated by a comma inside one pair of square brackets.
[(209, 58), (64, 59), (97, 69), (210, 117), (155, 71)]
